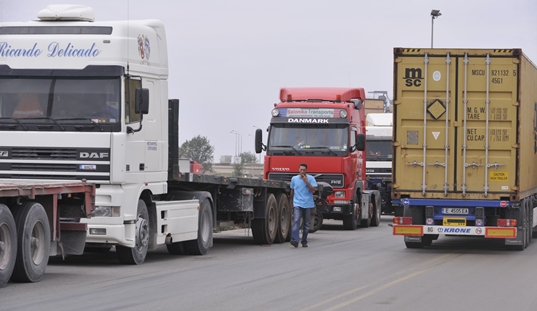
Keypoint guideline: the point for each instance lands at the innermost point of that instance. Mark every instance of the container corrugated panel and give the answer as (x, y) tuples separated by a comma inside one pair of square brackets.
[(465, 124)]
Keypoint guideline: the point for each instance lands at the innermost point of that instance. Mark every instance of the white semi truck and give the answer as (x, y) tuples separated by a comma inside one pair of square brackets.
[(379, 156), (87, 100)]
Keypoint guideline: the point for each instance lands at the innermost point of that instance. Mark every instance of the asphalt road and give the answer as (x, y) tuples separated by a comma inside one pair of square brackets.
[(366, 269)]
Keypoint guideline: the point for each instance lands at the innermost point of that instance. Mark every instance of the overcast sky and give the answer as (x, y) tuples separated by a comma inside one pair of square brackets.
[(229, 58)]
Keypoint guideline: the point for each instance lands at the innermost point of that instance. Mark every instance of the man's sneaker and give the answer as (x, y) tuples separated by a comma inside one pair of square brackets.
[(294, 243), (304, 244)]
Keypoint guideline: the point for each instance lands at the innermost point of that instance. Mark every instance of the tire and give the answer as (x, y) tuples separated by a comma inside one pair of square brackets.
[(201, 245), (33, 245), (313, 218), (350, 222), (284, 223), (137, 254), (177, 248), (264, 230), (8, 244), (317, 220), (377, 210)]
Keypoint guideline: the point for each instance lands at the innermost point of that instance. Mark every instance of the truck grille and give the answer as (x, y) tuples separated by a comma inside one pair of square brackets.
[(334, 180), (55, 163), (43, 153)]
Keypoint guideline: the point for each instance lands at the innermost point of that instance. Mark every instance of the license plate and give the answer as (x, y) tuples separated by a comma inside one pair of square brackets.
[(454, 222), (455, 211), (87, 167)]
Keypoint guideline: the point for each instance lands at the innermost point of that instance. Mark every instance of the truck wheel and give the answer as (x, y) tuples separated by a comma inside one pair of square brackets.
[(33, 245), (8, 244), (284, 225), (350, 222), (137, 254), (377, 209), (264, 230), (313, 228), (201, 245), (317, 220)]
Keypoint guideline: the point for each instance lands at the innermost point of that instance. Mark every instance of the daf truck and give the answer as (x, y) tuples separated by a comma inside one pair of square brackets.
[(83, 100)]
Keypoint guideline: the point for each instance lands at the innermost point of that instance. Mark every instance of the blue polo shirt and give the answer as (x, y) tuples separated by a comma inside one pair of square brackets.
[(302, 195)]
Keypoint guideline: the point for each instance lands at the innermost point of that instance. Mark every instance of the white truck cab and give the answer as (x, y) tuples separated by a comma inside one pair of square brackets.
[(68, 112)]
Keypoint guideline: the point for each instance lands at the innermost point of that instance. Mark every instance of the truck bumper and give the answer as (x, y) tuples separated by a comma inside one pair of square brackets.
[(111, 234), (336, 211), (487, 232)]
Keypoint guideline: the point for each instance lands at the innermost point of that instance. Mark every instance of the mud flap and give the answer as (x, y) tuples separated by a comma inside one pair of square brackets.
[(413, 239)]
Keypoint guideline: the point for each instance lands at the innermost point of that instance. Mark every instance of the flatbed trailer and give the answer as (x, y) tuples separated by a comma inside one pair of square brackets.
[(38, 220)]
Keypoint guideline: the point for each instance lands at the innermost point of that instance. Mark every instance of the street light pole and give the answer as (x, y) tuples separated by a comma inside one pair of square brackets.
[(434, 14), (236, 141)]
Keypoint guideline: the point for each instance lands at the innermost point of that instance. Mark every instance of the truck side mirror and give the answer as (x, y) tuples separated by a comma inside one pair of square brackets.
[(258, 140), (141, 101), (360, 142), (357, 103)]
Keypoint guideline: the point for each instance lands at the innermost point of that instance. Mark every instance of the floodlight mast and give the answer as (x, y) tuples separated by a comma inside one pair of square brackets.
[(434, 14)]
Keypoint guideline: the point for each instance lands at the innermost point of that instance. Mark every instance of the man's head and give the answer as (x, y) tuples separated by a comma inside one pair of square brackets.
[(303, 168)]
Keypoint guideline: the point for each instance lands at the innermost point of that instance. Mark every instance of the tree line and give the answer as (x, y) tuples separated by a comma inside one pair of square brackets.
[(200, 150)]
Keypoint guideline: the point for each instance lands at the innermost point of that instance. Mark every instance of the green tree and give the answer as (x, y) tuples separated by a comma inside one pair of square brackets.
[(200, 150), (248, 157), (238, 169)]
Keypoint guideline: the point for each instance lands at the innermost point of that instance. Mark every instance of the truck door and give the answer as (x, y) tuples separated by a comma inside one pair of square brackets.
[(456, 121)]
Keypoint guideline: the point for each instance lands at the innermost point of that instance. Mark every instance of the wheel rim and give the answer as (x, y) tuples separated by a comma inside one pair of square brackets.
[(142, 230), (284, 220), (272, 220), (205, 227), (37, 243), (5, 246)]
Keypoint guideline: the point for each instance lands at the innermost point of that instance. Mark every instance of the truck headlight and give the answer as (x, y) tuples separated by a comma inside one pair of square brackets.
[(106, 211), (339, 194)]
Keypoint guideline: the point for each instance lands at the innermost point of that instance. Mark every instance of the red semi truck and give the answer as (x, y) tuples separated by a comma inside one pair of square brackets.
[(324, 128)]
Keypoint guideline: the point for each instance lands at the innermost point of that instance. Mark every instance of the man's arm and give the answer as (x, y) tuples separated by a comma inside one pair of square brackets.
[(310, 187)]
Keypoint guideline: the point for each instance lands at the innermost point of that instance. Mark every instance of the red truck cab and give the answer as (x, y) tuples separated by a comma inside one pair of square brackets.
[(324, 128)]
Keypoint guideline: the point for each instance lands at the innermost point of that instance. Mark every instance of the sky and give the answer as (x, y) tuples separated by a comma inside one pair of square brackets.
[(229, 58)]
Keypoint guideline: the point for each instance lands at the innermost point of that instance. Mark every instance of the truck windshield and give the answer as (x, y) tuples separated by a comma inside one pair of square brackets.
[(379, 150), (306, 139), (29, 100)]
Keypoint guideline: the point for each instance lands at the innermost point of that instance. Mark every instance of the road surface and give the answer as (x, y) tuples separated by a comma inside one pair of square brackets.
[(366, 269)]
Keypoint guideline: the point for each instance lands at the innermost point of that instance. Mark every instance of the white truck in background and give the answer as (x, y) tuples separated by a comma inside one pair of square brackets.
[(82, 100), (379, 156)]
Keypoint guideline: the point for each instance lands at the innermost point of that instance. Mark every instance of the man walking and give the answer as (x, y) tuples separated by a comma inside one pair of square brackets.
[(302, 188)]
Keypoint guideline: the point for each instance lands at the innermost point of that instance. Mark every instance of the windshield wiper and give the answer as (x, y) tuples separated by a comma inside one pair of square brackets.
[(16, 120), (47, 118), (323, 147), (83, 119), (282, 146)]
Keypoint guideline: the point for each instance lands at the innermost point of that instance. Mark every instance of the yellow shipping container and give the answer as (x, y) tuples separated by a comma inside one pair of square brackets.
[(465, 124)]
